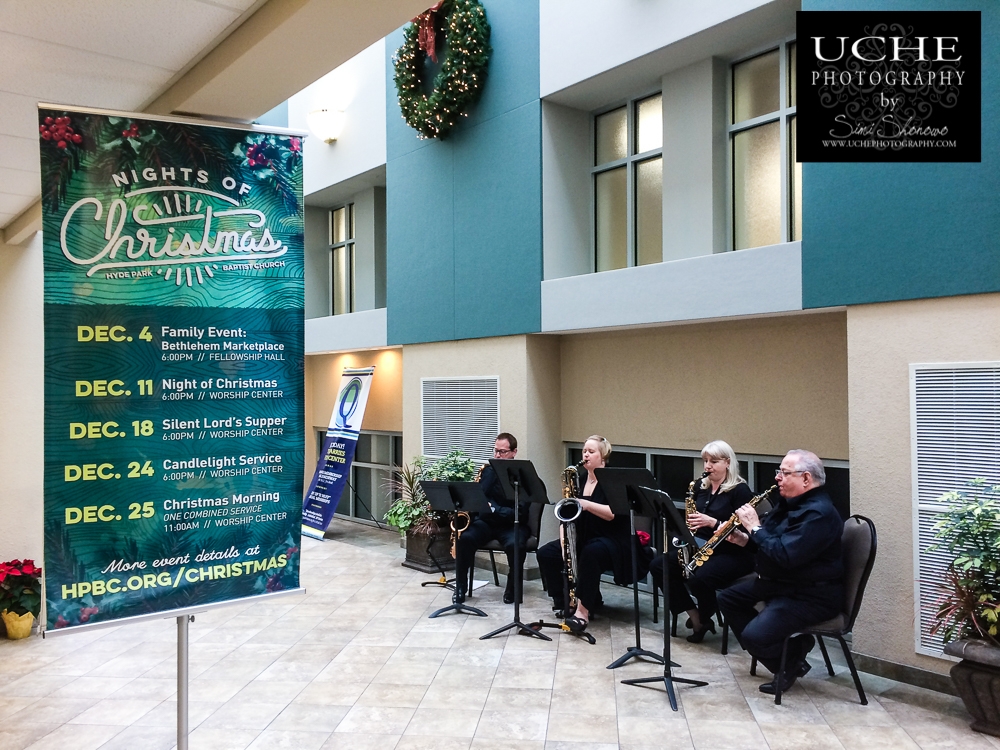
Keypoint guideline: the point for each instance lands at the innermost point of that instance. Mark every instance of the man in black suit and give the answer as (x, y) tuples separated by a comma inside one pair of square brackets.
[(799, 569), (498, 524)]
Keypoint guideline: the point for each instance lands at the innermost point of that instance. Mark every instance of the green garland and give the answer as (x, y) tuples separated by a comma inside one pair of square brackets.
[(458, 85)]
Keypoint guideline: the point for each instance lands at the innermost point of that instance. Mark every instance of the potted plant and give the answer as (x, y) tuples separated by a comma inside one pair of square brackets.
[(968, 612), (426, 530), (20, 596)]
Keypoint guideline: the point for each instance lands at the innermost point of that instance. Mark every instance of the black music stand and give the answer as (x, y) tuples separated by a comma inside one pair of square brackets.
[(621, 488), (518, 478), (450, 497), (672, 520)]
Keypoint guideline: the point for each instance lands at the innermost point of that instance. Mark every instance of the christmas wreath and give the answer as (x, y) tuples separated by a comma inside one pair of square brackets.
[(459, 83)]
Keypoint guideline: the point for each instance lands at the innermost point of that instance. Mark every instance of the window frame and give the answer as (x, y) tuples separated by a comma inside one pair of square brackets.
[(349, 243), (783, 115), (348, 504), (629, 161)]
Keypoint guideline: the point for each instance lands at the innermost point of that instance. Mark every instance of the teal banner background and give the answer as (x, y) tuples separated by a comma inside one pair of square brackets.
[(174, 364)]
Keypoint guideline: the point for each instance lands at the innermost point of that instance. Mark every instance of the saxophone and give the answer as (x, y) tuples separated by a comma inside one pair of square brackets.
[(724, 530), (456, 531), (683, 548), (567, 511)]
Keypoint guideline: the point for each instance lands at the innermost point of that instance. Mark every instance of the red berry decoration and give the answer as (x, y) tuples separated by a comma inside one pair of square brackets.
[(77, 138), (48, 121), (61, 144)]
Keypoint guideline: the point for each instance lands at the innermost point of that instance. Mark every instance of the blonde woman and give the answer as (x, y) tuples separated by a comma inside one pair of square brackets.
[(716, 497), (602, 541)]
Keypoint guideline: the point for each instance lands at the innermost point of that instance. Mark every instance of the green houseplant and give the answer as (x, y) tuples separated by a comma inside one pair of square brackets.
[(412, 514), (20, 596), (968, 613)]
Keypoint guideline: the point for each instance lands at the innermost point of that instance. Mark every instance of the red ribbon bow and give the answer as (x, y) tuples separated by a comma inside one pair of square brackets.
[(426, 33)]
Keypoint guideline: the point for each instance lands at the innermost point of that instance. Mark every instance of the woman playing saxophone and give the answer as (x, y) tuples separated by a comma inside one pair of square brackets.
[(716, 496)]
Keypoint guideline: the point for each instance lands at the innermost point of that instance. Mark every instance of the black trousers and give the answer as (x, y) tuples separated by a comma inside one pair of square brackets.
[(480, 533), (788, 610), (592, 560), (718, 572)]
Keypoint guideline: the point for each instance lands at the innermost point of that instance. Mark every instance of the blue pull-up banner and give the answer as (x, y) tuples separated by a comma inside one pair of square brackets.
[(334, 467)]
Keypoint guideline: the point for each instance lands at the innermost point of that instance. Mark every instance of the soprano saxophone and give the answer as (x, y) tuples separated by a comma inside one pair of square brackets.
[(683, 548), (567, 511), (723, 531)]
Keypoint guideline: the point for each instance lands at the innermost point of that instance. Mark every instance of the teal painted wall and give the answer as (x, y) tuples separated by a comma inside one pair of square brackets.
[(886, 232), (464, 216)]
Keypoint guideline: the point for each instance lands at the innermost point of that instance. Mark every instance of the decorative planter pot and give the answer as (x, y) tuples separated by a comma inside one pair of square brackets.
[(18, 626), (418, 557), (977, 680)]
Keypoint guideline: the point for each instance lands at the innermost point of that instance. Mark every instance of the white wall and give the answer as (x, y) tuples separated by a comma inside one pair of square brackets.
[(21, 400), (581, 38), (358, 88), (566, 162)]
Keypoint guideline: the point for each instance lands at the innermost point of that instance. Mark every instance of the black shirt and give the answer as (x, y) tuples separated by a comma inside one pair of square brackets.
[(799, 540), (721, 506), (502, 507)]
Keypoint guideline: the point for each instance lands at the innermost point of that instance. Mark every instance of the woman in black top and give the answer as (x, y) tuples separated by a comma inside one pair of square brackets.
[(602, 543), (716, 497)]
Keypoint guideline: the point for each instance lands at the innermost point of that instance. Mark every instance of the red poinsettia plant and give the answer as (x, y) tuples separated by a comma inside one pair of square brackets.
[(20, 587)]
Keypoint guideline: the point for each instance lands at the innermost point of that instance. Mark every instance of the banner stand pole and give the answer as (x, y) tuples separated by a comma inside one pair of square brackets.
[(182, 681)]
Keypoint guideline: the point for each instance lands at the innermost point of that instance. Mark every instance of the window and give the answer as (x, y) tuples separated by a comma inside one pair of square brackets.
[(342, 260), (955, 437), (367, 496), (767, 182), (628, 185)]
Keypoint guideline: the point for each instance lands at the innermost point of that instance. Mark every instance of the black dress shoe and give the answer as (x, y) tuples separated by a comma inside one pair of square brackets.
[(699, 635), (508, 593), (792, 673)]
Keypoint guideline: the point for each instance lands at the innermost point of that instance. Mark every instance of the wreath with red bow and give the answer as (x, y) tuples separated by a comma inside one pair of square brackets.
[(459, 83)]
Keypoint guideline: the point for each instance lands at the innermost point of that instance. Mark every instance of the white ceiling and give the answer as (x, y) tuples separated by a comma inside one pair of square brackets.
[(110, 54)]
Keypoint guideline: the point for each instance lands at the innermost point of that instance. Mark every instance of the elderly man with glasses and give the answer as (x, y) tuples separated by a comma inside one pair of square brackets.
[(498, 524), (799, 569)]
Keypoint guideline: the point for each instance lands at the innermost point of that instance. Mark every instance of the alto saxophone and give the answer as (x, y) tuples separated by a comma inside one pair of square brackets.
[(683, 548), (723, 531)]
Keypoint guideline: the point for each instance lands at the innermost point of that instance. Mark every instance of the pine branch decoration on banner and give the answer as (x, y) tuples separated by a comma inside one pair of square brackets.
[(459, 84)]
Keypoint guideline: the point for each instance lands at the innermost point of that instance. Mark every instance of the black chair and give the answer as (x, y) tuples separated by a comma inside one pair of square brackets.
[(534, 522), (860, 544)]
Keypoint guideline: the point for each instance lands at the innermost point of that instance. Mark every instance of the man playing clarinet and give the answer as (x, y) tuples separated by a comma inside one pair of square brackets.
[(799, 569)]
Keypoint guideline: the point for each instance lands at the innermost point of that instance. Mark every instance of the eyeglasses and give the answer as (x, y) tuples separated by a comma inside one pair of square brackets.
[(786, 473), (501, 451)]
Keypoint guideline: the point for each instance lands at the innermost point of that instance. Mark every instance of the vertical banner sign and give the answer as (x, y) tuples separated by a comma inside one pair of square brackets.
[(173, 263), (888, 86), (341, 440)]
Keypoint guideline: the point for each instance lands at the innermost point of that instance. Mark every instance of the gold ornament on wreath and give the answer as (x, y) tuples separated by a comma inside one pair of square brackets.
[(459, 83)]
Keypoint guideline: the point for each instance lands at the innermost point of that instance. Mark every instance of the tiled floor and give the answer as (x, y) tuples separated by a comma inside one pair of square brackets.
[(356, 663)]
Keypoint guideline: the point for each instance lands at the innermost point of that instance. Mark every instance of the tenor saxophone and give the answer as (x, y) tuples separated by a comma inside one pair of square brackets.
[(723, 531), (456, 531), (683, 548), (567, 511)]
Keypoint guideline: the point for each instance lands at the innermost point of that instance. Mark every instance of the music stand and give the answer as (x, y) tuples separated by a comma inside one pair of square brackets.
[(517, 478), (445, 497), (621, 488), (672, 520)]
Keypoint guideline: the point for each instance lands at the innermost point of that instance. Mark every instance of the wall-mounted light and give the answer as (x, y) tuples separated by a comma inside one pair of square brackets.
[(326, 124)]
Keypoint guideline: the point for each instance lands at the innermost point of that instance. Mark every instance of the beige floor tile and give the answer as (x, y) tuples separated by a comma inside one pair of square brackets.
[(357, 654), (331, 693), (656, 731), (358, 741), (442, 696), (307, 717), (272, 739), (460, 676), (111, 712), (23, 735), (35, 686), (708, 734), (334, 672), (532, 700), (376, 720), (586, 699), (165, 714), (76, 737), (512, 725), (267, 691), (234, 715), (397, 696), (472, 657), (795, 708), (432, 742), (497, 744), (582, 727), (215, 738), (946, 736), (146, 738), (405, 674), (147, 688), (91, 687), (204, 690), (451, 722), (550, 745), (524, 677), (873, 738), (718, 705), (788, 736), (12, 704), (840, 712)]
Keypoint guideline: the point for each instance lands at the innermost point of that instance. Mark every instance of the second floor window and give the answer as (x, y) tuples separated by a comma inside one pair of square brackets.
[(342, 260), (766, 180), (628, 185)]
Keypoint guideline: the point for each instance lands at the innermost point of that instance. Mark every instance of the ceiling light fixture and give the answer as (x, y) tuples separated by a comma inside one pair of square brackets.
[(326, 124)]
